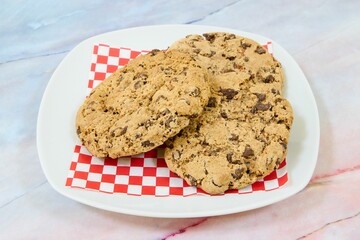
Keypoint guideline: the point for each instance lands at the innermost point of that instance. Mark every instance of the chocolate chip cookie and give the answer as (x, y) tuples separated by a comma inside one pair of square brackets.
[(243, 133), (141, 105)]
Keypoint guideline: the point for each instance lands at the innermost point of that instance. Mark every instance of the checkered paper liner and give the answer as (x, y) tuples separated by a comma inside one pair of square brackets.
[(142, 174)]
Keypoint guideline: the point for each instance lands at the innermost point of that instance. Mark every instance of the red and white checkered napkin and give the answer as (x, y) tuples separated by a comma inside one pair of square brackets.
[(143, 174)]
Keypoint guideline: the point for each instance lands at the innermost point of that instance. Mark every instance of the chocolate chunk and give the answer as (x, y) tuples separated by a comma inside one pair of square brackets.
[(123, 130), (246, 59), (231, 58), (269, 79), (176, 154), (166, 111), (168, 121), (261, 107), (245, 45), (137, 84), (260, 50), (147, 143), (248, 152), (238, 173), (284, 145), (78, 131), (234, 137), (211, 102), (223, 115), (229, 93), (195, 92), (209, 36), (191, 179), (146, 124), (154, 52), (238, 66), (229, 156), (261, 96), (227, 70), (274, 91), (229, 37), (141, 75)]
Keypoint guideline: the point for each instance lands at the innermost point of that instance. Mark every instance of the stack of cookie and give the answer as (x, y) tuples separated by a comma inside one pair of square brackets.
[(214, 100)]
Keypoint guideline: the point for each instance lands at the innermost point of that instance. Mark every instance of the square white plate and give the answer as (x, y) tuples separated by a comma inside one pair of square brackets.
[(56, 134)]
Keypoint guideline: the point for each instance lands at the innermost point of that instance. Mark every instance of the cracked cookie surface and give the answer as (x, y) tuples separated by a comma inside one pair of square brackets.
[(142, 104), (243, 133)]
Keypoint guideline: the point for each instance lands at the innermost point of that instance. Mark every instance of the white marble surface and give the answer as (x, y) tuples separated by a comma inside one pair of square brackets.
[(322, 36)]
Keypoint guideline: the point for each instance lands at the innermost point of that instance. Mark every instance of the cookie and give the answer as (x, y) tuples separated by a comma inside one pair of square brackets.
[(141, 105), (227, 54), (243, 133)]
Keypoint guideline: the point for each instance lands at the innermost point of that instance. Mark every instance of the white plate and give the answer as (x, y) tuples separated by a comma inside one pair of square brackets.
[(56, 134)]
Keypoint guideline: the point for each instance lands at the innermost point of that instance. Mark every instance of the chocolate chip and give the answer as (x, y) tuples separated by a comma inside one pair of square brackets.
[(245, 45), (269, 79), (195, 92), (260, 50), (248, 152), (238, 173), (209, 36), (168, 121), (229, 93), (234, 137), (154, 52), (229, 36), (204, 143), (227, 70), (212, 53), (284, 145), (274, 91), (166, 111), (211, 102), (141, 75), (123, 130), (261, 107), (223, 115), (138, 135), (184, 71), (246, 59), (191, 179), (176, 154), (146, 124), (261, 96), (78, 131), (197, 50), (229, 158), (137, 84), (195, 115), (231, 58), (147, 143)]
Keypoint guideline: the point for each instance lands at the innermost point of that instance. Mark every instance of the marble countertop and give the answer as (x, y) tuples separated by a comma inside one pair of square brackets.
[(323, 38)]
